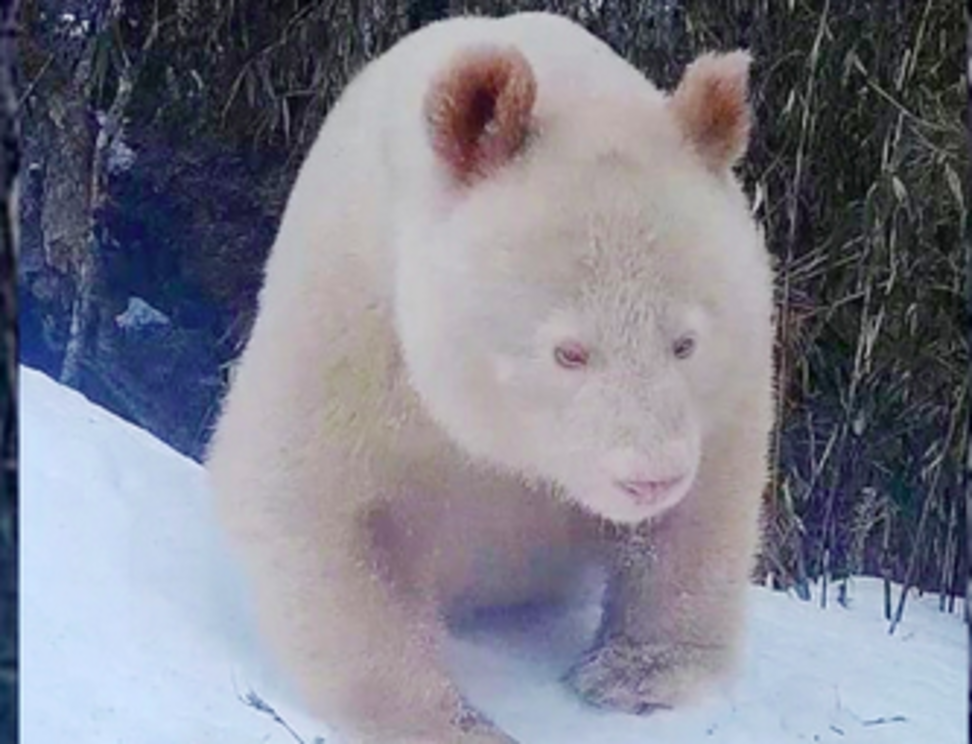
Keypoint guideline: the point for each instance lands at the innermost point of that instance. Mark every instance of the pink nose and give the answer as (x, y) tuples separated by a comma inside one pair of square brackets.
[(647, 478)]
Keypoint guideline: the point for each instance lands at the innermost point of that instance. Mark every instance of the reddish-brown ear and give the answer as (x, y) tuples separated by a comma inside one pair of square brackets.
[(711, 105), (478, 111)]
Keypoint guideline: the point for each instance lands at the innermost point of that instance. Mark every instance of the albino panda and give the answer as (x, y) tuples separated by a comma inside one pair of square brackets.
[(517, 318)]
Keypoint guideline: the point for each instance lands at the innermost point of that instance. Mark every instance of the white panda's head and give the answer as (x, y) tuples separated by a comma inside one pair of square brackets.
[(589, 300)]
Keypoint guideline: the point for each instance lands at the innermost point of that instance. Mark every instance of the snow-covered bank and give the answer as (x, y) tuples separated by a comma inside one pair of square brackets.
[(133, 627)]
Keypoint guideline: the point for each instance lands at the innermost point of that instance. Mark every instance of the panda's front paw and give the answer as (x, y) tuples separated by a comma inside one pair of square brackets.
[(476, 728), (639, 678)]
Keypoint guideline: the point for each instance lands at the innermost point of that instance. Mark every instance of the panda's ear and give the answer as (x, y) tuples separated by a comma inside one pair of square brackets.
[(711, 106), (478, 111)]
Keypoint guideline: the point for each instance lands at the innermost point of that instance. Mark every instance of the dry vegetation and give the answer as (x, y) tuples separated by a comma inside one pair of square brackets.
[(860, 171)]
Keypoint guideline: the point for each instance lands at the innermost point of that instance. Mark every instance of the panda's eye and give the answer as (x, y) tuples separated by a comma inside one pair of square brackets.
[(684, 346), (571, 355)]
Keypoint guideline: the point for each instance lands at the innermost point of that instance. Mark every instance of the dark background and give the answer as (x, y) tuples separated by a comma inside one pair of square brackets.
[(162, 136), (9, 161)]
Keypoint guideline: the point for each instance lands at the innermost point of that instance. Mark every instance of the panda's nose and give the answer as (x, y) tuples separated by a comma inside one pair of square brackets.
[(647, 477)]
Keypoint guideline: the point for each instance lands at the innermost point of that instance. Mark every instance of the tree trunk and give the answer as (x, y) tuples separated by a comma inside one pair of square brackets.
[(86, 311)]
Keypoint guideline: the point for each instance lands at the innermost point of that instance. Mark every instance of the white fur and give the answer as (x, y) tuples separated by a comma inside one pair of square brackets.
[(398, 436)]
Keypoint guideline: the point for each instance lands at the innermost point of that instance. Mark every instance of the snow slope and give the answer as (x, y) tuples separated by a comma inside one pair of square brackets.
[(134, 628)]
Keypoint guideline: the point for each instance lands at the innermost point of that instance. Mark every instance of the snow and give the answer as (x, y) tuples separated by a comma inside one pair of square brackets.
[(121, 157), (139, 314), (135, 628), (78, 27)]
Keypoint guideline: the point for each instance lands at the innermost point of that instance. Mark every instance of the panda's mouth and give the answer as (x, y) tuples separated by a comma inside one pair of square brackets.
[(646, 492), (631, 501), (628, 499)]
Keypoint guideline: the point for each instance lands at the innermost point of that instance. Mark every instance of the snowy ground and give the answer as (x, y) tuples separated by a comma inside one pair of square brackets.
[(134, 631)]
